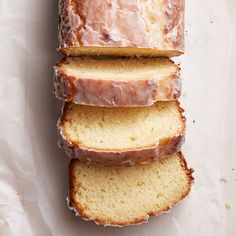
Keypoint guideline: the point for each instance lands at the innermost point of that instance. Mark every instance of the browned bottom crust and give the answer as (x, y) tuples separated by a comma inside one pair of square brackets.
[(165, 148), (78, 210), (119, 51)]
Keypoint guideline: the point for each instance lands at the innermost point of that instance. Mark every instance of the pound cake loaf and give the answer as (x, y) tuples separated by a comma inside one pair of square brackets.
[(121, 136), (120, 196), (116, 82), (125, 28)]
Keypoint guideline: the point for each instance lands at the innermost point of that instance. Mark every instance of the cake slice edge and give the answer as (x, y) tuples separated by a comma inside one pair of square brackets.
[(80, 211)]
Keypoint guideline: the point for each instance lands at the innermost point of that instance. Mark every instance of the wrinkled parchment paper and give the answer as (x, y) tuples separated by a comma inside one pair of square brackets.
[(33, 171)]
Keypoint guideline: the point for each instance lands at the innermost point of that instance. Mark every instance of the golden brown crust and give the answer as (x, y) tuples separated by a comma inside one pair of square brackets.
[(84, 25), (91, 25), (121, 52), (114, 93), (79, 210), (174, 24), (165, 147)]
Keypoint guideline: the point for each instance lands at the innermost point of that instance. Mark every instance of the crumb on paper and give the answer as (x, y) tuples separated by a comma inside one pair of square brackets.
[(18, 194), (194, 121), (233, 169), (1, 223), (228, 205), (223, 179), (211, 21), (184, 95)]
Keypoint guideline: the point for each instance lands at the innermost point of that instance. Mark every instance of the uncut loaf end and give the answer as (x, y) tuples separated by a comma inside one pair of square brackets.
[(121, 28)]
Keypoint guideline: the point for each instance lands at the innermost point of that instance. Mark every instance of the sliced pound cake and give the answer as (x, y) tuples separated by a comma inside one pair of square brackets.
[(124, 28), (116, 82), (120, 196), (121, 135)]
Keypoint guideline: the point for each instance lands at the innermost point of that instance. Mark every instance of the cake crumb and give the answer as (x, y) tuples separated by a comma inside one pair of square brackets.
[(194, 121), (140, 183), (227, 205), (211, 21), (223, 179)]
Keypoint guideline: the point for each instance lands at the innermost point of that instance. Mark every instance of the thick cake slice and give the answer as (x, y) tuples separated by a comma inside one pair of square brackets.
[(116, 82), (120, 196), (119, 136), (124, 28)]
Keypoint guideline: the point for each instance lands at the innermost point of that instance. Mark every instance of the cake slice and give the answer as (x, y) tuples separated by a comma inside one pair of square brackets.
[(119, 136), (124, 28), (116, 82), (120, 196)]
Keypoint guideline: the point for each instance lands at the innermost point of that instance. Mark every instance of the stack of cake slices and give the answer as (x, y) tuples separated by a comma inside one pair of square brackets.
[(121, 122)]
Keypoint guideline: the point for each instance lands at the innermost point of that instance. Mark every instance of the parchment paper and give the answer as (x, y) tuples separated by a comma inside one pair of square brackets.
[(34, 172)]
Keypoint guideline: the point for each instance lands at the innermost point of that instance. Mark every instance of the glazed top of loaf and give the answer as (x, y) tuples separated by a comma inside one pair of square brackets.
[(120, 23)]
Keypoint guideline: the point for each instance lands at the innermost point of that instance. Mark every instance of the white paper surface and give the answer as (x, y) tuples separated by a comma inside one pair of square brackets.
[(34, 172)]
